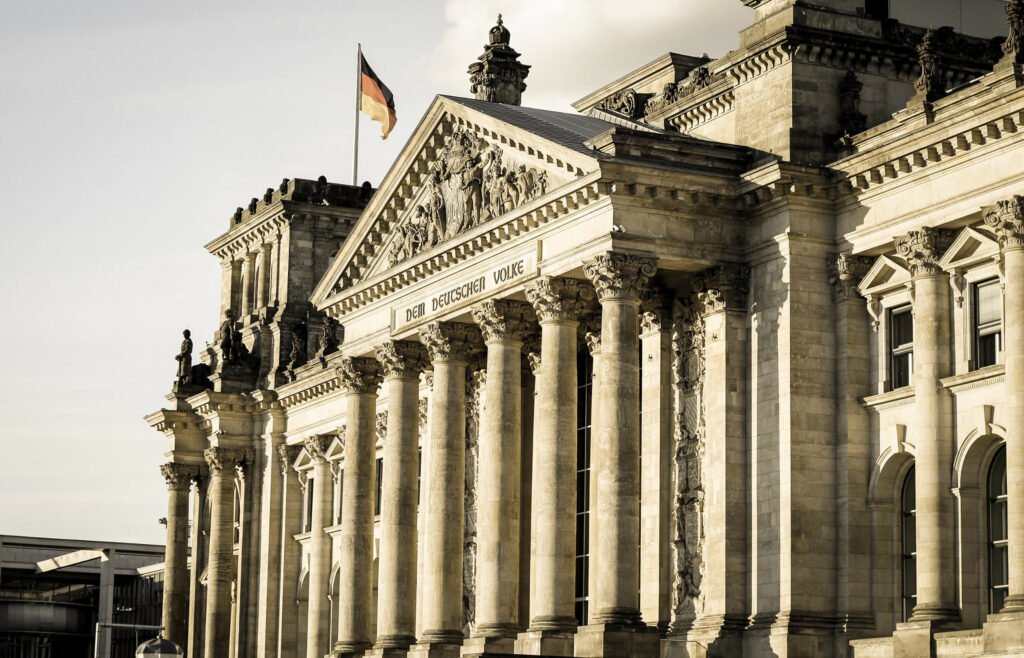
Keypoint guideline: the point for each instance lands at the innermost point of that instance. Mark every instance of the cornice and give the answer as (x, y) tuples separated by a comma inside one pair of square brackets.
[(309, 388), (974, 379), (168, 421), (890, 399)]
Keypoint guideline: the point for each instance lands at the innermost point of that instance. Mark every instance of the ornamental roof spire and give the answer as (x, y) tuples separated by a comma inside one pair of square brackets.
[(498, 76)]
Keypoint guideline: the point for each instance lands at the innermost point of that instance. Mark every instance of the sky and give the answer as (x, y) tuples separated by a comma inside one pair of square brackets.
[(129, 132)]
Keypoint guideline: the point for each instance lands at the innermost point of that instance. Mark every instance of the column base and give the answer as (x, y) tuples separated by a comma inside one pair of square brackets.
[(716, 636), (614, 640), (1004, 633), (350, 649), (545, 642), (939, 615), (479, 646), (433, 649), (914, 639), (386, 652)]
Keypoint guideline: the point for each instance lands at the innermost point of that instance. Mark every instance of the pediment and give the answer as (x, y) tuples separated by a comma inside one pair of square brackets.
[(468, 164), (885, 274), (302, 461), (970, 247), (336, 448)]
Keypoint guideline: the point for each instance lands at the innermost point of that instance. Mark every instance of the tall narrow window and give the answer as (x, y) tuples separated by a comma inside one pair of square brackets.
[(901, 347), (380, 486), (988, 323), (308, 516), (584, 405), (908, 545), (998, 559), (419, 472)]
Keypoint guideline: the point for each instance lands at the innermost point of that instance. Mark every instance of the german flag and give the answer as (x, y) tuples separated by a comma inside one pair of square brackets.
[(376, 100)]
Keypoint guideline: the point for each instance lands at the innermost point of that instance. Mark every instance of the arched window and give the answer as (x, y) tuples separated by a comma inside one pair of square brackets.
[(998, 561), (908, 545)]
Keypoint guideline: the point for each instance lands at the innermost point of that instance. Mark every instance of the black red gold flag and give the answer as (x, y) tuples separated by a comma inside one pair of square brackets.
[(376, 100)]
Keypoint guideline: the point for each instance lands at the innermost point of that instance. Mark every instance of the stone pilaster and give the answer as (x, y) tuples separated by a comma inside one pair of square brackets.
[(936, 563), (557, 304), (401, 364), (220, 567), (175, 600), (615, 623), (1006, 219), (318, 607), (248, 285), (656, 459), (504, 324), (361, 378), (449, 345), (263, 282), (290, 555)]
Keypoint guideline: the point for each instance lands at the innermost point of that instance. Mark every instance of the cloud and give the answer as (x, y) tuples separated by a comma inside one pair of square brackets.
[(577, 46)]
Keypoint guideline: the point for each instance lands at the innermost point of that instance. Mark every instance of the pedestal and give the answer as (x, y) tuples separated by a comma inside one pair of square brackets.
[(481, 646), (614, 641), (1004, 634), (545, 643), (435, 650)]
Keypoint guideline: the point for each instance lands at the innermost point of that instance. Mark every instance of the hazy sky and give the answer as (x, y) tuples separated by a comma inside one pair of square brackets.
[(129, 132)]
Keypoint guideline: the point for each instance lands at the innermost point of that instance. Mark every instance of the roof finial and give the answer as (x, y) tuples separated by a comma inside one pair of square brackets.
[(498, 76), (499, 34)]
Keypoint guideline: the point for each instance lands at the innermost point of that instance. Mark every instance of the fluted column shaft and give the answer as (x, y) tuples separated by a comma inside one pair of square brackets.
[(936, 566), (448, 345), (503, 324), (1007, 219), (361, 378), (175, 598), (263, 282), (619, 280), (220, 571), (248, 284), (319, 609), (401, 363), (290, 555)]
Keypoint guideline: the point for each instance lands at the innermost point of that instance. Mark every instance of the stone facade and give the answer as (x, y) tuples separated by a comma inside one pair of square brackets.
[(729, 363)]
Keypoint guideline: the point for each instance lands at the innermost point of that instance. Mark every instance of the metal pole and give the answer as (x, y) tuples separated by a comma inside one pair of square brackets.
[(359, 94)]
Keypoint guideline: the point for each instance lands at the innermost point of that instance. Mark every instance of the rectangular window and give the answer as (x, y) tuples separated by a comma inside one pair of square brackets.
[(988, 323), (307, 524), (901, 347), (584, 406), (380, 486)]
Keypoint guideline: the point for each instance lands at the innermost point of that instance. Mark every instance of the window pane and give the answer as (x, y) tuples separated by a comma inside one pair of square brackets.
[(989, 302), (901, 370), (902, 327), (988, 350)]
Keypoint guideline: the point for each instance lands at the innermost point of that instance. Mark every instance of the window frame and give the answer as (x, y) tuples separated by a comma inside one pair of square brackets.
[(994, 503), (899, 351), (978, 332), (907, 602)]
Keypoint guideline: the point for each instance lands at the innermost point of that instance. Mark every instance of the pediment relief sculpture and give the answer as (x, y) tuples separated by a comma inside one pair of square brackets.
[(467, 184)]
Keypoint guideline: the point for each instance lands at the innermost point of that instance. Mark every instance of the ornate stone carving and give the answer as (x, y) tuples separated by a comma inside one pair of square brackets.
[(475, 402), (316, 448), (498, 76), (1006, 220), (179, 476), (851, 121), (423, 407), (654, 311), (380, 426), (531, 353), (467, 185), (450, 341), (184, 358), (360, 375), (220, 460), (298, 356), (555, 299), (931, 85), (723, 287), (328, 336), (688, 540), (845, 271), (617, 275), (503, 319), (1013, 47), (923, 248), (233, 351), (402, 358), (286, 456), (628, 103), (698, 78)]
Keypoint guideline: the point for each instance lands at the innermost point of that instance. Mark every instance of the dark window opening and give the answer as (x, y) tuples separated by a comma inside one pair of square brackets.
[(908, 545), (380, 486), (584, 393), (901, 347), (998, 538)]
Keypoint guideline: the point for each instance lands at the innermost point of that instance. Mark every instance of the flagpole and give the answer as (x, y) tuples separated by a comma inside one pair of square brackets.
[(359, 92)]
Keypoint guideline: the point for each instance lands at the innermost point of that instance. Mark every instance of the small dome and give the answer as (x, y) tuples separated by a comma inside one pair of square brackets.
[(499, 34), (158, 647)]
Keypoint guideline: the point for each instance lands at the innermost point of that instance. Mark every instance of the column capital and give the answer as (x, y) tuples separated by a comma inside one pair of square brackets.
[(845, 271), (590, 330), (221, 459), (531, 353), (619, 276), (1006, 219), (450, 341), (654, 311), (503, 319), (316, 448), (287, 455), (402, 358), (923, 248), (557, 299), (179, 476), (360, 375), (723, 287)]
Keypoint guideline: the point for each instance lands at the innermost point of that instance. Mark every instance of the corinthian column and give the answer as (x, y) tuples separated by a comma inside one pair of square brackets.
[(1007, 220), (220, 566), (401, 363), (361, 379), (936, 565), (557, 303), (175, 609), (319, 608), (503, 324), (449, 345)]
